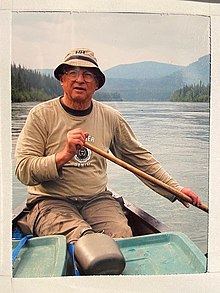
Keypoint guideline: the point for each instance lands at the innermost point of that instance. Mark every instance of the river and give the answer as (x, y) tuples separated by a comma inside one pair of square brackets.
[(178, 136)]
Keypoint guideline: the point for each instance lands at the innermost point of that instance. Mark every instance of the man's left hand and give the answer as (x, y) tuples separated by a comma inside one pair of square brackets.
[(196, 201)]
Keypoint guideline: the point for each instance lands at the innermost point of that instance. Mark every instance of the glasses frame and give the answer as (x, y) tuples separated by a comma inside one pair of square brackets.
[(87, 79)]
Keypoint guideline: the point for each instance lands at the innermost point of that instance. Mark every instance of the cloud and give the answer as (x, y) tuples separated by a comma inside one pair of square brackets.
[(43, 39)]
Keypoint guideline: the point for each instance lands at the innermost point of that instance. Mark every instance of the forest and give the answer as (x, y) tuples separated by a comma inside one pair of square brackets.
[(192, 93), (31, 85)]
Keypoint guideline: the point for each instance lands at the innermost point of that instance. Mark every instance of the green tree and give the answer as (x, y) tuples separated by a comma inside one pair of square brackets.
[(192, 93), (31, 85)]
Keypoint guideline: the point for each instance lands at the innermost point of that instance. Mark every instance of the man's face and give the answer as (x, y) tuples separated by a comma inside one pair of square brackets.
[(79, 85)]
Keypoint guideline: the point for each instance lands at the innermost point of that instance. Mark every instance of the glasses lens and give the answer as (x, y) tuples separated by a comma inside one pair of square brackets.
[(88, 76), (74, 74)]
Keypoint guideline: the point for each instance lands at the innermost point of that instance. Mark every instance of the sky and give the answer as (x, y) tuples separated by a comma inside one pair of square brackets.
[(41, 40)]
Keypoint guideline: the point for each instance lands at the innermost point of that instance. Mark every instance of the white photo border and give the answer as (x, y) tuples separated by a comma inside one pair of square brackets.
[(208, 282)]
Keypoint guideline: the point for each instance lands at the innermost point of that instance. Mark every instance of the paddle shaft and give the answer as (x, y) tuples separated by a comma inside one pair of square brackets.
[(144, 175)]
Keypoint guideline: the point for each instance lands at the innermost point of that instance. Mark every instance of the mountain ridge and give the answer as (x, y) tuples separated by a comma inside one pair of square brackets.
[(151, 80), (160, 88), (144, 70)]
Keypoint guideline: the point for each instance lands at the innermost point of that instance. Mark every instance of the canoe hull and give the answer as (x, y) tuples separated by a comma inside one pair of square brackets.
[(154, 249)]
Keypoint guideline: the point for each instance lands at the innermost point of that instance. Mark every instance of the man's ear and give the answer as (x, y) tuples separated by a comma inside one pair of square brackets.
[(97, 83), (61, 79)]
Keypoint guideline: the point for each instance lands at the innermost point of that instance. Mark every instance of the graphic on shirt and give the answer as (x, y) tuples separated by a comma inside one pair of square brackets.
[(83, 155)]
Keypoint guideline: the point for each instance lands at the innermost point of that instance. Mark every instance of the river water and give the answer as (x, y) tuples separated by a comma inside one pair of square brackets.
[(178, 136)]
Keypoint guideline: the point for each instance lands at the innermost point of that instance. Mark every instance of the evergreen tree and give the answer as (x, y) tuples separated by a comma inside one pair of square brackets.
[(31, 85), (192, 93)]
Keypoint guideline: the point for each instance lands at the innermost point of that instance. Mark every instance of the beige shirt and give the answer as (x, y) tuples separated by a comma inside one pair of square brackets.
[(44, 134)]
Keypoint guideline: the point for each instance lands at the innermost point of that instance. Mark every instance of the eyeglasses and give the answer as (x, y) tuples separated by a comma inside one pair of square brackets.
[(74, 74)]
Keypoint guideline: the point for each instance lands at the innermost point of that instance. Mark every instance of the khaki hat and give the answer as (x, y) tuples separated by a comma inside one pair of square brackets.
[(81, 57)]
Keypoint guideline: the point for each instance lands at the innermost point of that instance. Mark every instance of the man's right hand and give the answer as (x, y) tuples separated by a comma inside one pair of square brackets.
[(75, 139)]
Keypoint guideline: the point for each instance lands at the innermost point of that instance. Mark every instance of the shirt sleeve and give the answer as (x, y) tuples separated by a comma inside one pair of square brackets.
[(33, 165), (126, 147)]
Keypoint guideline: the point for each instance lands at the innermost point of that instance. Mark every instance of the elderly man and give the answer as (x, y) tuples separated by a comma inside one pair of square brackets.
[(67, 183)]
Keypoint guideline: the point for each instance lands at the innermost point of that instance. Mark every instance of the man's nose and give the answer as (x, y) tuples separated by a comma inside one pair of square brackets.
[(80, 78)]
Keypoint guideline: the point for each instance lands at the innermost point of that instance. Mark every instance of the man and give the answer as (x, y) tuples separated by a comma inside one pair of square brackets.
[(67, 183)]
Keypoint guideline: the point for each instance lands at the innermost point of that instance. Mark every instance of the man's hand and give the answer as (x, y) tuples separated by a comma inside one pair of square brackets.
[(75, 139), (196, 201)]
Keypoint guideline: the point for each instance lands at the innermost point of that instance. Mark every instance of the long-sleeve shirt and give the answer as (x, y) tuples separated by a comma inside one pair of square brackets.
[(44, 134)]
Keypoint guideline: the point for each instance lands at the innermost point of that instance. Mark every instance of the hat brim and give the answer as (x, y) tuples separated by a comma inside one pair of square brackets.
[(81, 63)]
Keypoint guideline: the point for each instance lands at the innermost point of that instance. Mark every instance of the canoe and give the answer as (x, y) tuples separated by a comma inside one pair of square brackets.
[(154, 249)]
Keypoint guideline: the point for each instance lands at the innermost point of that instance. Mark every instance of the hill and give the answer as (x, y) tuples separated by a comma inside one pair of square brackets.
[(150, 81), (142, 70), (195, 72), (155, 88)]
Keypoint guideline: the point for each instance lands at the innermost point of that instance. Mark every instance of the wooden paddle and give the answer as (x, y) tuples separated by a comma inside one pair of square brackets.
[(144, 175)]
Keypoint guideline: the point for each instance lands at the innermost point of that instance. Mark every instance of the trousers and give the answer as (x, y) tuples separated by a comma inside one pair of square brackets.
[(73, 215)]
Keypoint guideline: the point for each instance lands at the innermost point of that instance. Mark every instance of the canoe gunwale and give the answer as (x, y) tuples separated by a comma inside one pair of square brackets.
[(140, 221)]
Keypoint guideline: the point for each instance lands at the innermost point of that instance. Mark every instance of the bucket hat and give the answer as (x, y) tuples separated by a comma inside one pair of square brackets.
[(81, 57)]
